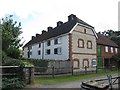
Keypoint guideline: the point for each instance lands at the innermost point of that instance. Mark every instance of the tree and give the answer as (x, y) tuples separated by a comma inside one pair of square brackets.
[(10, 36)]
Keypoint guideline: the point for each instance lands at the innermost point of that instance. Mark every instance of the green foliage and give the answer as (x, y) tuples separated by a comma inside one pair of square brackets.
[(14, 52), (14, 63), (8, 83), (4, 57), (10, 36), (38, 63), (116, 57)]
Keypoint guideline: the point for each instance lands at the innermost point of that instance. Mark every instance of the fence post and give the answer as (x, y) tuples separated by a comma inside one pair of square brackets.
[(53, 71), (96, 69), (72, 70), (85, 69), (30, 71)]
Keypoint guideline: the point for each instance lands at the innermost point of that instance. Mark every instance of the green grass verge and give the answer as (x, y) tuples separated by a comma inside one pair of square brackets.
[(50, 80)]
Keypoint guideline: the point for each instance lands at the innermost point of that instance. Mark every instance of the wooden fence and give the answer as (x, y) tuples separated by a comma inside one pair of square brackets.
[(24, 73)]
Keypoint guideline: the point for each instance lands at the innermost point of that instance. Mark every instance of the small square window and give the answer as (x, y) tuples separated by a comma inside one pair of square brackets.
[(94, 63)]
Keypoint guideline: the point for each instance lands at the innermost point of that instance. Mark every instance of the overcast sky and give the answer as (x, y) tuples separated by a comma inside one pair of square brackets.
[(37, 15)]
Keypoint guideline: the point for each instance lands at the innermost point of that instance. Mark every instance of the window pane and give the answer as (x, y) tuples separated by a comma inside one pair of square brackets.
[(59, 40), (116, 50), (80, 43), (94, 63), (59, 51), (48, 51), (39, 52), (106, 48), (55, 51), (111, 49), (56, 41), (89, 44), (48, 43)]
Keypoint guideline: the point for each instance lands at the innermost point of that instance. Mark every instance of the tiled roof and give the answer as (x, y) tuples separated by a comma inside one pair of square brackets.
[(62, 29), (102, 40)]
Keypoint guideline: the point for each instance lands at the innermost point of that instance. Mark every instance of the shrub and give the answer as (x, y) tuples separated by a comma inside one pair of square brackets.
[(8, 83), (13, 52), (43, 64), (4, 57)]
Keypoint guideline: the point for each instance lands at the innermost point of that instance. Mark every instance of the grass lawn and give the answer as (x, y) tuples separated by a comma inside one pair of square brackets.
[(50, 80)]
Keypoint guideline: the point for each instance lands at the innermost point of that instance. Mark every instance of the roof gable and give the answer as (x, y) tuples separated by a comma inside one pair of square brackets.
[(59, 30)]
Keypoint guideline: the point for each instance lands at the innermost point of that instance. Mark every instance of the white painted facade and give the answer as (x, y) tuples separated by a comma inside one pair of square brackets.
[(64, 45)]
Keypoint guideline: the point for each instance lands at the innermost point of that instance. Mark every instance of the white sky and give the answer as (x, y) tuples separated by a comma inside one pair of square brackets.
[(37, 15)]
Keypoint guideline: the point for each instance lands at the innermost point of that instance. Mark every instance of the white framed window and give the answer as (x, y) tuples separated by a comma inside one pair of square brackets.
[(94, 63), (106, 48), (116, 50), (47, 51), (57, 41), (111, 49), (58, 50), (48, 43)]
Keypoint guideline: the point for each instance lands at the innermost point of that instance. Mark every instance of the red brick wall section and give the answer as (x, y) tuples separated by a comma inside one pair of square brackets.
[(108, 54), (70, 48)]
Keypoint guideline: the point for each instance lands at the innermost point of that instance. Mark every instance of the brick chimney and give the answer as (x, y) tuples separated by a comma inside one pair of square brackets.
[(59, 23), (71, 17), (37, 35), (43, 31), (33, 37), (49, 28)]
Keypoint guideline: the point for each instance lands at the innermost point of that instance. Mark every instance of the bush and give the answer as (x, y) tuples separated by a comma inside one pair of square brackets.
[(4, 57), (43, 64), (13, 52), (8, 83)]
